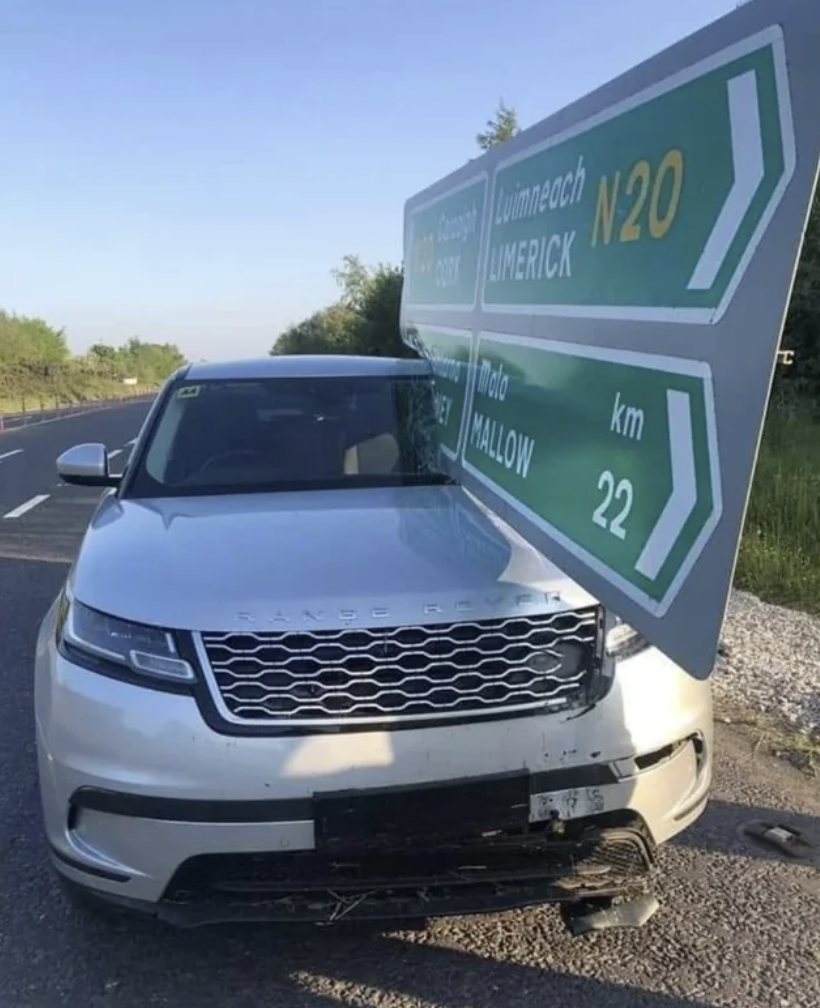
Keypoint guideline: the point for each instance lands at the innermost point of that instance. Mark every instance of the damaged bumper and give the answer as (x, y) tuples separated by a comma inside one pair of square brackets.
[(470, 878), (163, 814)]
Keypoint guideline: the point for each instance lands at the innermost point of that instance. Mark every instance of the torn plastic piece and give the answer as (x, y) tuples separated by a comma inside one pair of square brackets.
[(784, 839), (604, 914)]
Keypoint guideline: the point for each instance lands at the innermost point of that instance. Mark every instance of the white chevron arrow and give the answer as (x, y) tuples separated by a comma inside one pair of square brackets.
[(684, 496)]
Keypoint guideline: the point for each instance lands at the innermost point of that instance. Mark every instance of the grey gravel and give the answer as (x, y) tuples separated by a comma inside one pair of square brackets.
[(770, 662)]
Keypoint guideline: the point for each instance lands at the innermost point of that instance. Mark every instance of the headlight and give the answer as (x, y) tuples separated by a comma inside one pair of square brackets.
[(624, 641), (115, 646)]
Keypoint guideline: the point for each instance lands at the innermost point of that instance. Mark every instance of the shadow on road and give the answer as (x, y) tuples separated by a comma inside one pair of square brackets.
[(317, 968)]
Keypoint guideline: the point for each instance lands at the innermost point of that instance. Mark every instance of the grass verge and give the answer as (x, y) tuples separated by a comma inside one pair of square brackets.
[(33, 399), (779, 557)]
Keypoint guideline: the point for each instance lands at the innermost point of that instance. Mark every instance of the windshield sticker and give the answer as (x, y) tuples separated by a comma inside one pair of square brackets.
[(189, 392)]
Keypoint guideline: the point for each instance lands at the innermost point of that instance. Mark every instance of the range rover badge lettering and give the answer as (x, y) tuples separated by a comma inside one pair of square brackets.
[(363, 617)]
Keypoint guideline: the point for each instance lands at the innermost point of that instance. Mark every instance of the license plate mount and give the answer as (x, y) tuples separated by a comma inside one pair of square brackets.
[(421, 815)]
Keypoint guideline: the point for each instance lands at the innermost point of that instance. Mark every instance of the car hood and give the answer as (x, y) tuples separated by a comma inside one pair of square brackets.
[(327, 558)]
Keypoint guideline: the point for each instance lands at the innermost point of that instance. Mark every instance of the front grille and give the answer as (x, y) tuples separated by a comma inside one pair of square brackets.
[(441, 671)]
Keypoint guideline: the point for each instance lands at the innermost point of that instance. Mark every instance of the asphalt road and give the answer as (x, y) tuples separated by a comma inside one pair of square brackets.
[(738, 927)]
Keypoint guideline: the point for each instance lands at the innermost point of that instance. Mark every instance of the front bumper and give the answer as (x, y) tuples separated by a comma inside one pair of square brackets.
[(470, 878), (144, 803)]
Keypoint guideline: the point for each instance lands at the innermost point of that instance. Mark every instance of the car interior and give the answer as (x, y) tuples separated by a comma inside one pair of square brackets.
[(233, 436)]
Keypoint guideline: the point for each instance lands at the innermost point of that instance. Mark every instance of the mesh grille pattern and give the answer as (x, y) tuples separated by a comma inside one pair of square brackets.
[(411, 672), (621, 857), (471, 878)]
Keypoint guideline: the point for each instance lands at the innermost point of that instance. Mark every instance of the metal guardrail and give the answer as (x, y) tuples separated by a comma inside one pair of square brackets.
[(14, 421)]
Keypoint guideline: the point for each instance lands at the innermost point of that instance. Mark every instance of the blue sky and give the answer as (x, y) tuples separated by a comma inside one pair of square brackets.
[(191, 170)]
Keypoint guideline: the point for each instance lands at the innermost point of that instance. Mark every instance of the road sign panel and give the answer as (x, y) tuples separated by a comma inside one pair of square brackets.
[(649, 210), (442, 252), (635, 260), (449, 351), (613, 454)]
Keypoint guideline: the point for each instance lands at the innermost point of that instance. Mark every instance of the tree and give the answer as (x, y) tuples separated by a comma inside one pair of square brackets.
[(329, 330), (355, 279), (150, 363), (365, 319), (36, 365), (103, 351), (30, 340), (501, 128)]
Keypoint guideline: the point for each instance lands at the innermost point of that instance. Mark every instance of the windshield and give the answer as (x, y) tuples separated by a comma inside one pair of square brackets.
[(291, 433)]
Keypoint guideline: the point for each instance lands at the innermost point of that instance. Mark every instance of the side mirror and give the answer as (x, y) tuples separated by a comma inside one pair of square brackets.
[(86, 465)]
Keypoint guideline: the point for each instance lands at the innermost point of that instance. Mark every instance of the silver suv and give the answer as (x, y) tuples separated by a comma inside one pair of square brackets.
[(297, 672)]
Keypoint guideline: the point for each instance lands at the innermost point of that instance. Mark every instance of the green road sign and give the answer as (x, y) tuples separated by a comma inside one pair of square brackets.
[(612, 453), (653, 209), (444, 242), (449, 353), (638, 253)]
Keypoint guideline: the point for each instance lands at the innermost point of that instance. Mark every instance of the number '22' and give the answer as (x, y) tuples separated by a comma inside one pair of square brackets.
[(621, 491)]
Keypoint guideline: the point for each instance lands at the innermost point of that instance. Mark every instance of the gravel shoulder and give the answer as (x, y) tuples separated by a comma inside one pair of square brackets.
[(771, 664)]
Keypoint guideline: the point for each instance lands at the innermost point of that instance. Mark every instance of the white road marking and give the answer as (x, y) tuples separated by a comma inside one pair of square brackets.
[(18, 512), (5, 455), (115, 453), (131, 443)]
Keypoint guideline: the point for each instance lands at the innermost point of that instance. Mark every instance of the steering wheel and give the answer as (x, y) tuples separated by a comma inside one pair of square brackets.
[(234, 453)]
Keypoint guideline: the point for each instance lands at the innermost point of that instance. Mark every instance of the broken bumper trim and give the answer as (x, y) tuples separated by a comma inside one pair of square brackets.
[(306, 887)]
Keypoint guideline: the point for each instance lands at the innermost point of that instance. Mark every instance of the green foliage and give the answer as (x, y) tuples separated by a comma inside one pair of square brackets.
[(328, 330), (37, 370), (501, 128), (780, 552), (803, 321), (365, 319), (149, 363), (27, 340)]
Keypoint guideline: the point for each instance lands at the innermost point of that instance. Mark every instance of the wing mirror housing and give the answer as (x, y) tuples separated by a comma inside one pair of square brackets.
[(86, 465)]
